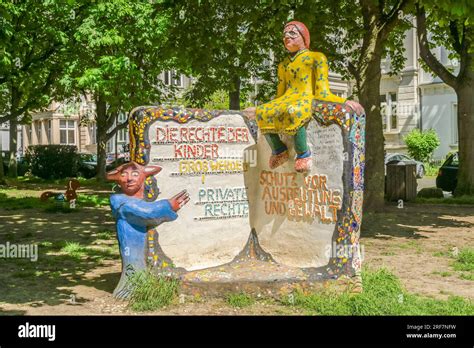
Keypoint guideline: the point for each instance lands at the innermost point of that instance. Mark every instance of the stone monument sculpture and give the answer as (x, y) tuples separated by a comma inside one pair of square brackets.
[(271, 196)]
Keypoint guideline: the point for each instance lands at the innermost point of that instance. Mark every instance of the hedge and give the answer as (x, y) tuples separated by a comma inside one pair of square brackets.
[(52, 161)]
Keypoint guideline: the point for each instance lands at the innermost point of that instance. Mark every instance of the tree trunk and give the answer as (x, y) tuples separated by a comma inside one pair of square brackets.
[(234, 95), (101, 119), (465, 96), (369, 98), (12, 163)]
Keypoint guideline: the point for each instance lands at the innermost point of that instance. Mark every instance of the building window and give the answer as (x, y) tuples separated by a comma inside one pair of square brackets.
[(122, 136), (48, 131), (454, 124), (110, 146), (173, 78), (388, 111), (122, 117), (93, 133), (39, 133), (29, 133), (67, 132)]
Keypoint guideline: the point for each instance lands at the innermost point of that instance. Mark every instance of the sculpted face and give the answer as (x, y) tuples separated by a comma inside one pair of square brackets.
[(129, 181), (131, 176), (292, 39)]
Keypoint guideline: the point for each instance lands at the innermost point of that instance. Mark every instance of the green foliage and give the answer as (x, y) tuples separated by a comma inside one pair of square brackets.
[(150, 292), (446, 21), (52, 161), (465, 260), (450, 200), (450, 24), (219, 100), (74, 249), (421, 145), (35, 182), (224, 42), (118, 55), (246, 33), (117, 58), (105, 235), (240, 300), (19, 203), (442, 274), (13, 202), (92, 201), (10, 203), (431, 169), (467, 276), (383, 294), (34, 36)]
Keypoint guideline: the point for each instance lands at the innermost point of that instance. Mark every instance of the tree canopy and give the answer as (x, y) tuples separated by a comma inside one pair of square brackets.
[(33, 40), (117, 58)]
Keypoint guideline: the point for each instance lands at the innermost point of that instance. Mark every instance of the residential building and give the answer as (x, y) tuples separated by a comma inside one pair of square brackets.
[(63, 123), (415, 99), (5, 138), (439, 107), (72, 123)]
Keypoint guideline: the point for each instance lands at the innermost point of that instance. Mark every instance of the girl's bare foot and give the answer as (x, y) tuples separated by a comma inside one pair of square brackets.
[(277, 160), (303, 165)]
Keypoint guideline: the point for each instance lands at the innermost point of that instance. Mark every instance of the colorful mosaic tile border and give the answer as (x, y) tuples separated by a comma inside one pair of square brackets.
[(348, 227)]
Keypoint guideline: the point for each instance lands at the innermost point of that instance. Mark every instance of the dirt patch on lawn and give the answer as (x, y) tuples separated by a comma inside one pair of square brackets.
[(415, 243)]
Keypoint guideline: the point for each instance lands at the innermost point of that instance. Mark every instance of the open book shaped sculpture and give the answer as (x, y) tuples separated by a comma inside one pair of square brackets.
[(244, 221)]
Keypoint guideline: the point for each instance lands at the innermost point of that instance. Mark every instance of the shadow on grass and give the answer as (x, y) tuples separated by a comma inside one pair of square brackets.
[(11, 312), (105, 282), (412, 218), (57, 268), (9, 202), (35, 183)]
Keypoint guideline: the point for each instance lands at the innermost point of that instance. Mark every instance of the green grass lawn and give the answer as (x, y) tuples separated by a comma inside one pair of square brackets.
[(464, 263), (239, 300), (151, 292), (450, 200), (383, 294), (33, 182)]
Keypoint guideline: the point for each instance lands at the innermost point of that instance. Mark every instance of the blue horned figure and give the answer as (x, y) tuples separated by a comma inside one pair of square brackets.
[(135, 216)]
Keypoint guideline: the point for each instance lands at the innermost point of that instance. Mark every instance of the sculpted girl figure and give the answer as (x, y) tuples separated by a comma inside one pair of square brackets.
[(302, 78)]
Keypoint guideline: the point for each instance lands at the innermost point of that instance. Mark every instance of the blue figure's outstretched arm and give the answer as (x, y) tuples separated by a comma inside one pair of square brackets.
[(148, 213), (141, 213)]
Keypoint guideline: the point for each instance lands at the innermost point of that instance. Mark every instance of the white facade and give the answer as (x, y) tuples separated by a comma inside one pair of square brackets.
[(423, 101), (439, 107), (5, 138)]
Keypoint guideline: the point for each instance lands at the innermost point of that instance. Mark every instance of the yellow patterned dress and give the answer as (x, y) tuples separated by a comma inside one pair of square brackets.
[(301, 79)]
